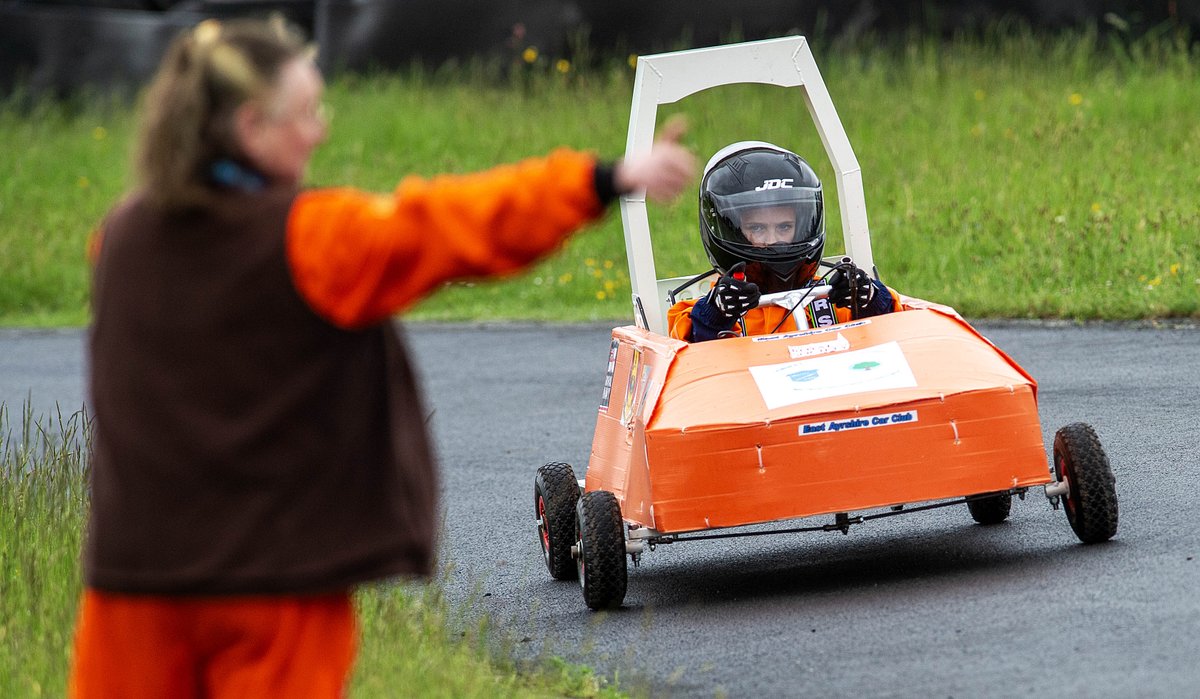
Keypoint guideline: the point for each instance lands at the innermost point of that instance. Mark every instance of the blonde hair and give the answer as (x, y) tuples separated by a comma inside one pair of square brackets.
[(188, 110)]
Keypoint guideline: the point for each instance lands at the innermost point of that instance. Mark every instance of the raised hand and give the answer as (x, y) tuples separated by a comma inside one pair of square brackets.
[(665, 171)]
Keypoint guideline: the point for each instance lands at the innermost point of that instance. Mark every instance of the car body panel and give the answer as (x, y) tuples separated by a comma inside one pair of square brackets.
[(688, 438)]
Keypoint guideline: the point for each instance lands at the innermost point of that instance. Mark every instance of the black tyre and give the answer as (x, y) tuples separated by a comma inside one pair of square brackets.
[(601, 561), (992, 509), (555, 492), (1091, 501)]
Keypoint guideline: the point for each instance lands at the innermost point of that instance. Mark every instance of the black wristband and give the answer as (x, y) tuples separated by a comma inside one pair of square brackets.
[(708, 320), (604, 180), (881, 304)]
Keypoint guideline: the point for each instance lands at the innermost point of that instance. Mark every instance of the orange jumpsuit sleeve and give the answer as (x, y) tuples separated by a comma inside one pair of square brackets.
[(357, 258), (679, 320)]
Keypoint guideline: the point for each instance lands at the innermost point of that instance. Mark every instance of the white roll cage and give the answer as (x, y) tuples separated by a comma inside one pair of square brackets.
[(669, 77)]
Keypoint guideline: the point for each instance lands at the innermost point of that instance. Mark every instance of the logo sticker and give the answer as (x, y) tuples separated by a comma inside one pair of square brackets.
[(805, 375), (608, 375), (785, 183), (820, 314), (635, 366)]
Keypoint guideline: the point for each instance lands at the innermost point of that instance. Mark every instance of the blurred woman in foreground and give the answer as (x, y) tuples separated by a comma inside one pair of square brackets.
[(260, 445)]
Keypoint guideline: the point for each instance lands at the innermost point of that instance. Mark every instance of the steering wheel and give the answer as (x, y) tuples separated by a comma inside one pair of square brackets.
[(794, 298)]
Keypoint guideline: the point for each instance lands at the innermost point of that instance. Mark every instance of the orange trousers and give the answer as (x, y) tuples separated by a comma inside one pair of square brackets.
[(136, 646)]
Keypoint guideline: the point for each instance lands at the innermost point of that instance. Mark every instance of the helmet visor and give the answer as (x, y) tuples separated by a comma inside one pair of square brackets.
[(782, 216)]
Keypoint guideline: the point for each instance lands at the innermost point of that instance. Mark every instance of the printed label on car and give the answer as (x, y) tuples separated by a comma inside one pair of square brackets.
[(814, 331), (857, 423)]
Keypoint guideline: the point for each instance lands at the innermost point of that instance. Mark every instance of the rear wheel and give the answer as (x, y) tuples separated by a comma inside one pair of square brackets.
[(555, 492), (992, 509), (1091, 498), (601, 561)]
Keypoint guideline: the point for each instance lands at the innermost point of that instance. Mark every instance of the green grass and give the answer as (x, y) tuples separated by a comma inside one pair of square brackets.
[(1012, 176), (415, 646), (43, 503), (412, 641)]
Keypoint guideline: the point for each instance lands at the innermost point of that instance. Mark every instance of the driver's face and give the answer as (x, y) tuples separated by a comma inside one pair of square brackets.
[(769, 226)]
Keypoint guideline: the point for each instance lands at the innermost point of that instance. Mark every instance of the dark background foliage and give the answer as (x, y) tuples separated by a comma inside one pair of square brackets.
[(61, 46)]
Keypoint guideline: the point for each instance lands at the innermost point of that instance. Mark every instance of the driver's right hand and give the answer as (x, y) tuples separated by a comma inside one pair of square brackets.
[(733, 294)]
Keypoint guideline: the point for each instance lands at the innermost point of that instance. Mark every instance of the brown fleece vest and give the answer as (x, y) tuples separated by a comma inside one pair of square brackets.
[(241, 443)]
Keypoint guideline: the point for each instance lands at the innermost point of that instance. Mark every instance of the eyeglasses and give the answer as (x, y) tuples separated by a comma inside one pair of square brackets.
[(320, 113)]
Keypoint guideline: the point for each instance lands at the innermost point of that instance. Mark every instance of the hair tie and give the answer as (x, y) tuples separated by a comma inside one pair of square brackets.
[(207, 33), (229, 65), (222, 61)]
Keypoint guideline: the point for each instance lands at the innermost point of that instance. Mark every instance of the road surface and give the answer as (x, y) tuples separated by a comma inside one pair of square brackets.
[(927, 605)]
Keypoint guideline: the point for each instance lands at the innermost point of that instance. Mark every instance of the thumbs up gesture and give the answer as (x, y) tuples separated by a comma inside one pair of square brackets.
[(665, 171)]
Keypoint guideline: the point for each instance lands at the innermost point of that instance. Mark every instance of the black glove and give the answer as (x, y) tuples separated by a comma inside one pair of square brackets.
[(852, 287), (733, 295)]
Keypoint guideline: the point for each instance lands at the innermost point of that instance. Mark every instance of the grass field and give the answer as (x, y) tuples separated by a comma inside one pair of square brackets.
[(42, 506), (412, 643), (1012, 177)]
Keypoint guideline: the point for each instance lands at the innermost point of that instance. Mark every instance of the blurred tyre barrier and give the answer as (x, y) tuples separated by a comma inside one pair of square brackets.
[(62, 47)]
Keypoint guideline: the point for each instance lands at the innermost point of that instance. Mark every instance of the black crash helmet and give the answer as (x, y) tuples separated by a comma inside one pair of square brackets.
[(750, 177)]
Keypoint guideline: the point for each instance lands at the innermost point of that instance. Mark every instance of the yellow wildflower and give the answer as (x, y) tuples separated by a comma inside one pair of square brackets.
[(563, 66), (530, 55), (1075, 99)]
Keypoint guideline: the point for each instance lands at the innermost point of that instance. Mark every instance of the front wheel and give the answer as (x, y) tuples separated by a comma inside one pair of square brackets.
[(555, 492), (1091, 498), (601, 561)]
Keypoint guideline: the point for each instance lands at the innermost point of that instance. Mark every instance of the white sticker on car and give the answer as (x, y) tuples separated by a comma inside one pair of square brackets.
[(874, 368), (811, 350)]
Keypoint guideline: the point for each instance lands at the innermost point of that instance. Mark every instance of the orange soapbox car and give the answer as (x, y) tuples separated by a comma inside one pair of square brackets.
[(872, 418)]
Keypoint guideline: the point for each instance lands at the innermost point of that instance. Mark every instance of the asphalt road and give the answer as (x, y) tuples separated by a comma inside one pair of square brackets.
[(926, 605)]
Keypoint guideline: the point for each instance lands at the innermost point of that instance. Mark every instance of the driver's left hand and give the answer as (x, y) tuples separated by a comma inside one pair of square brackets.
[(852, 287)]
